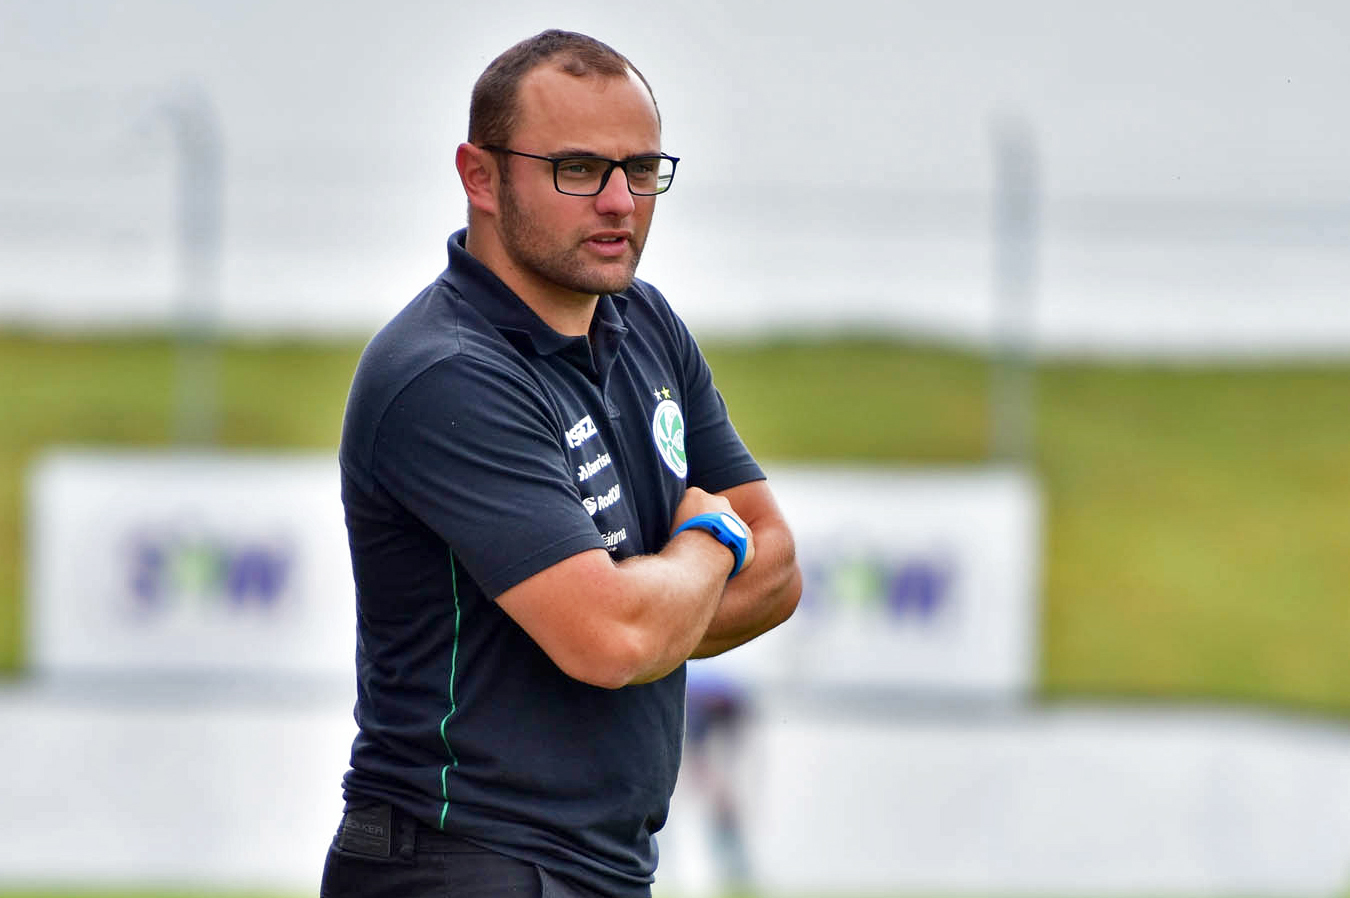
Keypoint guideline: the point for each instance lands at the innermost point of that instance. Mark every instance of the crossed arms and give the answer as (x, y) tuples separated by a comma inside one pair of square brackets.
[(618, 624)]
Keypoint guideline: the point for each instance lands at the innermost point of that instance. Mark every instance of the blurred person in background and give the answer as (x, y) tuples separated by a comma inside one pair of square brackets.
[(548, 510), (718, 710)]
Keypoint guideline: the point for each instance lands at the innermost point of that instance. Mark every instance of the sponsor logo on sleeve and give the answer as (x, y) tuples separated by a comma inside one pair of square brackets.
[(580, 432), (587, 470), (595, 504), (614, 537), (668, 433)]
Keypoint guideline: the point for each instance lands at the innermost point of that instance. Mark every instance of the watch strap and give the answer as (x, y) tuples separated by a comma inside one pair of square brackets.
[(726, 528)]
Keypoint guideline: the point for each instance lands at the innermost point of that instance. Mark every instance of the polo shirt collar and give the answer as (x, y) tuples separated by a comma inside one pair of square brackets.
[(506, 311), (607, 332)]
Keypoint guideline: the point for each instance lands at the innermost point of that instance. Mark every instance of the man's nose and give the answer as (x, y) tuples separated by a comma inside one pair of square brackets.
[(615, 199)]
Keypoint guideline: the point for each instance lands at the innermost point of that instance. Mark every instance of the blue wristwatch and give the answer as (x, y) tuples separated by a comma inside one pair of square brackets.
[(724, 528)]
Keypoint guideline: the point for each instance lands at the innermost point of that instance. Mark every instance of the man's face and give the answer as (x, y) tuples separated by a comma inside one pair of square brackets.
[(577, 245)]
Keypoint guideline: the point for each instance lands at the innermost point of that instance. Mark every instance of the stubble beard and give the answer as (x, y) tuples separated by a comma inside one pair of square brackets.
[(542, 253)]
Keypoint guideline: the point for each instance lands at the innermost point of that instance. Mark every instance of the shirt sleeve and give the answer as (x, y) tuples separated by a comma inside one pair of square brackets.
[(718, 458), (473, 452)]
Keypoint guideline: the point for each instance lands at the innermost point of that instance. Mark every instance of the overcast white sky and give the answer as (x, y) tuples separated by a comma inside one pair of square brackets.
[(340, 120)]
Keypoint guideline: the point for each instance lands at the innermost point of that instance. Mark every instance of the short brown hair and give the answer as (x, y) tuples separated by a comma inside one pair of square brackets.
[(494, 110)]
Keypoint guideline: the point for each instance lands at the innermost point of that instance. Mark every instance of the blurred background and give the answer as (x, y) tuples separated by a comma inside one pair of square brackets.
[(1038, 315)]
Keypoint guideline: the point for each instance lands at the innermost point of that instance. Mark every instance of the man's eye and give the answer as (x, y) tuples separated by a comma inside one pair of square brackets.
[(578, 168)]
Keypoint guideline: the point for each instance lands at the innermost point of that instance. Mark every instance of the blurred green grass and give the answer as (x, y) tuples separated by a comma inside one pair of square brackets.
[(1197, 526)]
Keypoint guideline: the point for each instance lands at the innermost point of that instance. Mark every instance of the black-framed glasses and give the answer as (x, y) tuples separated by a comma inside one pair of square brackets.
[(588, 175)]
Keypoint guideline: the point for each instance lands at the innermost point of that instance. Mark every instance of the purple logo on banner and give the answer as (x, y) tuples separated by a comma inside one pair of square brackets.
[(167, 569), (916, 588)]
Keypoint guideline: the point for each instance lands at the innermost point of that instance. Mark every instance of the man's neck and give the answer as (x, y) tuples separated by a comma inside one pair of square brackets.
[(568, 313)]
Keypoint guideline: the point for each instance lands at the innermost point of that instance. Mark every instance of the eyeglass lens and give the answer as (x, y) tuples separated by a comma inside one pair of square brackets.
[(583, 175)]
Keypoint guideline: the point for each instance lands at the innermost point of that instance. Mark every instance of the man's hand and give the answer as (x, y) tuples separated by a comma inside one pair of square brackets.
[(697, 502)]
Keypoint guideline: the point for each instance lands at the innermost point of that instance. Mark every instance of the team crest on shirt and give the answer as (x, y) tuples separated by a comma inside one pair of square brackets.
[(668, 433)]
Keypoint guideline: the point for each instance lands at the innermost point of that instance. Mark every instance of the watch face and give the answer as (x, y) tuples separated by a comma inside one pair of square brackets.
[(733, 525)]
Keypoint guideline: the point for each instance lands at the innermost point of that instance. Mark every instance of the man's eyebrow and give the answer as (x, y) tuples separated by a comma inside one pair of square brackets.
[(582, 151)]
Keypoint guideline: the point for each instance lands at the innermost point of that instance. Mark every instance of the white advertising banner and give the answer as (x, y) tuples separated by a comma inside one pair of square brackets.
[(201, 563), (922, 580)]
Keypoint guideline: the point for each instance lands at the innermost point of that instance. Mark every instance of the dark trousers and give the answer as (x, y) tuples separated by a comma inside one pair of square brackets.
[(380, 852)]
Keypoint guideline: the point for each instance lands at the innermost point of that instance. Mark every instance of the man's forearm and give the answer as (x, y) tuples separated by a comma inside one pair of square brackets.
[(678, 601), (758, 599)]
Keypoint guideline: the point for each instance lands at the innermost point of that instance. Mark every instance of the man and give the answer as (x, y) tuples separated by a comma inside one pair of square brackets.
[(520, 446)]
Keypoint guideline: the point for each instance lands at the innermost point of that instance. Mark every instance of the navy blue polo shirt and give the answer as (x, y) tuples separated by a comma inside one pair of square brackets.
[(480, 447)]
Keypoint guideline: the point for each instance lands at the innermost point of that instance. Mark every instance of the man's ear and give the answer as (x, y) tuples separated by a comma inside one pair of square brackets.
[(479, 175)]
